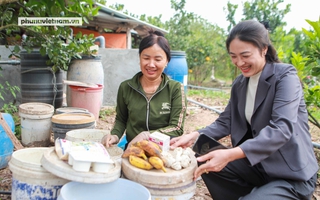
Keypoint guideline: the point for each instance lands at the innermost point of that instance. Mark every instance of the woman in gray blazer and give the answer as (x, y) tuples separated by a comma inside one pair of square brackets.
[(272, 154)]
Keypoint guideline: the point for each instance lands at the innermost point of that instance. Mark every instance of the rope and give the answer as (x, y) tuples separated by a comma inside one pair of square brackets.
[(53, 81)]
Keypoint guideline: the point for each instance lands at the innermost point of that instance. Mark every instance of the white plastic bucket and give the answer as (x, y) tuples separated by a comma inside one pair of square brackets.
[(30, 180), (94, 135), (120, 189), (35, 123)]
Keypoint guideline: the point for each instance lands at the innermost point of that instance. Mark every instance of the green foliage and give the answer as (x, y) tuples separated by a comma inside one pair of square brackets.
[(6, 90), (203, 43), (266, 10), (311, 86), (313, 46), (284, 43), (50, 40), (9, 108), (231, 8), (311, 82), (179, 26)]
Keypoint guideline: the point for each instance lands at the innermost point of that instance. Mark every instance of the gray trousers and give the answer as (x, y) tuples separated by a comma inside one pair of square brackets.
[(240, 181)]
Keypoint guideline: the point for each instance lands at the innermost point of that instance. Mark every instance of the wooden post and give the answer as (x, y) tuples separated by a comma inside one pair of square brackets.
[(9, 133)]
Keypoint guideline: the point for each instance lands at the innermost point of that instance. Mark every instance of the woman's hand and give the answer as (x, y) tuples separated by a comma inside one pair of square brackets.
[(109, 140), (144, 135), (184, 141), (216, 160)]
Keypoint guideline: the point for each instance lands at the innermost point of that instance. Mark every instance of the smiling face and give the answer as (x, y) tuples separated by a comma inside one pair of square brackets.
[(153, 60), (247, 57)]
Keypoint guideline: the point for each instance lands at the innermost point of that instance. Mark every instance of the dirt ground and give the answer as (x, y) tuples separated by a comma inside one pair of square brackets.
[(196, 118)]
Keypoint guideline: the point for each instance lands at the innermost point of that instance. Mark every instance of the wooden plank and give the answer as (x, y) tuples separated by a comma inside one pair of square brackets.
[(15, 141)]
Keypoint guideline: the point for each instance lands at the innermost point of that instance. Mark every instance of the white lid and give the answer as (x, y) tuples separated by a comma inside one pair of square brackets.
[(36, 108), (54, 165)]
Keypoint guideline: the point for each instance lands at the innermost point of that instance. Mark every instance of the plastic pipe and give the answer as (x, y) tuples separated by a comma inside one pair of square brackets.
[(10, 62), (205, 106), (101, 40)]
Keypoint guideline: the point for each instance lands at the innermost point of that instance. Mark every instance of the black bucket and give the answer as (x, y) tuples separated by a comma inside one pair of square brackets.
[(38, 82)]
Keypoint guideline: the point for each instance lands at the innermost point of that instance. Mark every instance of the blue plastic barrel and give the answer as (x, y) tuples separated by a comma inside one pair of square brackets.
[(177, 68), (6, 147)]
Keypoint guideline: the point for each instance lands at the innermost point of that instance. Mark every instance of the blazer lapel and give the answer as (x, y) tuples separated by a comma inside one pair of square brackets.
[(242, 91), (263, 85)]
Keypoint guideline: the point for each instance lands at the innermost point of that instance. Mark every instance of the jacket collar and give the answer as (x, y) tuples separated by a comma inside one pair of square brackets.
[(262, 90), (135, 81), (263, 84)]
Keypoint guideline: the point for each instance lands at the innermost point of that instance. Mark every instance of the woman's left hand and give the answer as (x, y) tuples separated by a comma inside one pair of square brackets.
[(144, 135), (216, 160)]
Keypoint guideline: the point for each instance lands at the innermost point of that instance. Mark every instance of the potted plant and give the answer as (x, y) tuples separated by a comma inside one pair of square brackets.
[(55, 45)]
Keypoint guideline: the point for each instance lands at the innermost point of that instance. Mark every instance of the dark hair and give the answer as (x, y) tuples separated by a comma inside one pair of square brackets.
[(155, 37), (257, 34)]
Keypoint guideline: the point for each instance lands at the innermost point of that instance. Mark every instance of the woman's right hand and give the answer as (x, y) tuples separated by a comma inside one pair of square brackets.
[(108, 140), (185, 140)]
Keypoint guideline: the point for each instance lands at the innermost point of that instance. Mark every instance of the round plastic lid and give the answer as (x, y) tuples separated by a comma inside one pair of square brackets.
[(36, 108), (73, 118), (51, 162), (71, 110)]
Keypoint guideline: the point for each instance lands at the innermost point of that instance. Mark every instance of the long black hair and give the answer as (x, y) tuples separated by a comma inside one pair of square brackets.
[(257, 34)]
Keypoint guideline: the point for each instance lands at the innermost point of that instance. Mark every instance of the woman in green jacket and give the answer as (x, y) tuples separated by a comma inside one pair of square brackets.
[(150, 101)]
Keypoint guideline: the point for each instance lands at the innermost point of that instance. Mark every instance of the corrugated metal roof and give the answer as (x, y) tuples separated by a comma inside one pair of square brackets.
[(118, 21)]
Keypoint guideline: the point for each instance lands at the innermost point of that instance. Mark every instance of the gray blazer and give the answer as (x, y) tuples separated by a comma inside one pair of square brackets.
[(281, 141)]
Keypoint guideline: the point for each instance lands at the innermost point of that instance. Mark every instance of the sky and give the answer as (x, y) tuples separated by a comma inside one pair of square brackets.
[(214, 13)]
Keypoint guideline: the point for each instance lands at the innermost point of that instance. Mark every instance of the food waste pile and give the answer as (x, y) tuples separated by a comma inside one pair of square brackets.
[(147, 155)]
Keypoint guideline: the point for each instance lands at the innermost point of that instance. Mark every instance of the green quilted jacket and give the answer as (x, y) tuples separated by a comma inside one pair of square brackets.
[(164, 112)]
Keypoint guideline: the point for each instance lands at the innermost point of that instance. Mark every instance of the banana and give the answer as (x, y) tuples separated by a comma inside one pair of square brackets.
[(139, 162), (136, 151), (149, 148), (157, 163), (156, 146)]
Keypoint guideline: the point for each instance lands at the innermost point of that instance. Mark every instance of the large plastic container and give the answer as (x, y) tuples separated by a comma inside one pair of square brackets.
[(38, 82), (88, 69), (177, 68), (88, 98), (62, 123), (120, 189), (29, 179), (35, 123), (6, 147)]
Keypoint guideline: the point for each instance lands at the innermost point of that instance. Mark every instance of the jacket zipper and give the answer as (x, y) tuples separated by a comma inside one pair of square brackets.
[(148, 101)]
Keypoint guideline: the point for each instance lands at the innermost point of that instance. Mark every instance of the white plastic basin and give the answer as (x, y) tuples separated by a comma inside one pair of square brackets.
[(120, 189)]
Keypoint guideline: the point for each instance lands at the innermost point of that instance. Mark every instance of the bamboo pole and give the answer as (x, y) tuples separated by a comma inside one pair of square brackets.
[(9, 133)]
